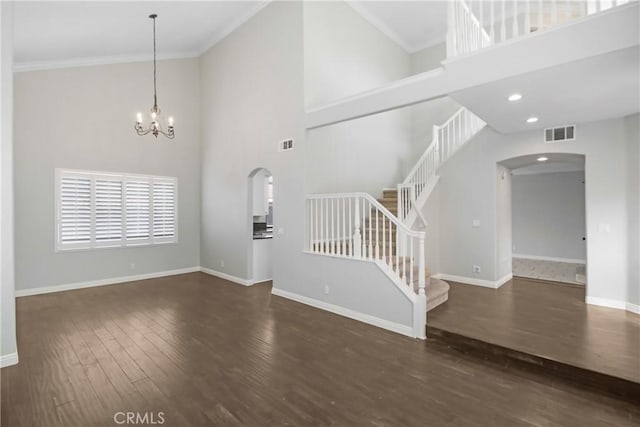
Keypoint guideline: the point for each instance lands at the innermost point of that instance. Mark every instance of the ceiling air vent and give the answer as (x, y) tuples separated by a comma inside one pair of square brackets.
[(559, 134), (285, 145)]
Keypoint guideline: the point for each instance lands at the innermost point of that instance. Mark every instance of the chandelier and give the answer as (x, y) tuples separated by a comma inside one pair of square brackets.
[(155, 126)]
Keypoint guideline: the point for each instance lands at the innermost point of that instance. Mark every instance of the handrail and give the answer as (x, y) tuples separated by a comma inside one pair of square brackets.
[(375, 203), (466, 31), (446, 140), (357, 226)]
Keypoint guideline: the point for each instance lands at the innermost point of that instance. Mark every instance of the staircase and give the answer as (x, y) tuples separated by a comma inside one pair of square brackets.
[(437, 290), (357, 226)]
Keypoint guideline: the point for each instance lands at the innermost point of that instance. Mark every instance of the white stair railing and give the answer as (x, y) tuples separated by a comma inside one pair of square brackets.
[(357, 226), (473, 25), (447, 139)]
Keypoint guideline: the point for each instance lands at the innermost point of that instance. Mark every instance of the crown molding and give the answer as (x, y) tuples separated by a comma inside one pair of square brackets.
[(100, 60), (387, 31), (381, 26), (218, 36), (125, 59)]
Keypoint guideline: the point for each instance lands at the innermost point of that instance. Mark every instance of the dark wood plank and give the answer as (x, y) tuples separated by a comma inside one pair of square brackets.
[(545, 319), (207, 352)]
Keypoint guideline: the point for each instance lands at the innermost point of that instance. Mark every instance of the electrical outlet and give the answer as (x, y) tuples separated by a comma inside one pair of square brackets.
[(476, 269), (326, 289), (476, 223), (222, 263), (132, 266)]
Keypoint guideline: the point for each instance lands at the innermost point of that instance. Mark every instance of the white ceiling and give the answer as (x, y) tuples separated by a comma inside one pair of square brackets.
[(597, 88), (414, 25), (52, 33)]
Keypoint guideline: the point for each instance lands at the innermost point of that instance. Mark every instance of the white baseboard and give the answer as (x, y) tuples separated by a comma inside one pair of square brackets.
[(102, 282), (549, 258), (634, 308), (8, 360), (351, 314), (611, 303), (229, 277), (473, 281)]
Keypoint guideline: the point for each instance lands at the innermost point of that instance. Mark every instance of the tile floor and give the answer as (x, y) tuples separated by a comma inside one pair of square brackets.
[(548, 270)]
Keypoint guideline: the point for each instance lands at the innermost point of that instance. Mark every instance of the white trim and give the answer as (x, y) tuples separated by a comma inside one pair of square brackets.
[(351, 314), (389, 32), (126, 59), (233, 25), (611, 303), (634, 308), (380, 26), (102, 282), (549, 258), (229, 277), (473, 281), (104, 60), (8, 360)]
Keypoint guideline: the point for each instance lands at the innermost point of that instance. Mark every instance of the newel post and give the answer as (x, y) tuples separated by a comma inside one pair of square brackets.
[(420, 308), (357, 238)]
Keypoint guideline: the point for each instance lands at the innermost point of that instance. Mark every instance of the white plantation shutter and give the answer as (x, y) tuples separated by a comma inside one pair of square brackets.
[(75, 210), (137, 207), (97, 209), (108, 211), (164, 209)]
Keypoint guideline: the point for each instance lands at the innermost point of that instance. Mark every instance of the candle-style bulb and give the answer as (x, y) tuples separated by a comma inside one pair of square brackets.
[(170, 121), (139, 118)]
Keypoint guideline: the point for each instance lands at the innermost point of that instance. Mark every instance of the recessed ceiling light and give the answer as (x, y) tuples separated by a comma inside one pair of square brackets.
[(543, 159), (532, 119), (514, 97)]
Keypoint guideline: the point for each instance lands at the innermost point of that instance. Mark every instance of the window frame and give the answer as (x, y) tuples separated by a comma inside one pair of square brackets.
[(123, 178)]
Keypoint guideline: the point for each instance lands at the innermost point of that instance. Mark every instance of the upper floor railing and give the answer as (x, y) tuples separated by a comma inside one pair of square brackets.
[(447, 138), (476, 24)]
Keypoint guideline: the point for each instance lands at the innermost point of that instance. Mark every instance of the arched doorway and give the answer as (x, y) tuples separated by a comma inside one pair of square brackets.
[(547, 216), (260, 224)]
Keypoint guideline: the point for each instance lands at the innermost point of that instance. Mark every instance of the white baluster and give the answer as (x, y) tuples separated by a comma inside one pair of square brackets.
[(391, 243), (351, 243), (540, 15), (481, 22), (370, 226), (492, 22), (515, 19), (411, 263), (420, 312), (357, 238), (377, 237), (384, 249), (451, 30), (339, 226), (310, 210), (344, 228), (503, 24)]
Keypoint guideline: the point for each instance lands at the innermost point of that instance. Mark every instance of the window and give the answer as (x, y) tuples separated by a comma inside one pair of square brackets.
[(99, 210)]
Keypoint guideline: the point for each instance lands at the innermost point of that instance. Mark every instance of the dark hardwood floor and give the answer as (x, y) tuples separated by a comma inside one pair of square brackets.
[(547, 319), (204, 351)]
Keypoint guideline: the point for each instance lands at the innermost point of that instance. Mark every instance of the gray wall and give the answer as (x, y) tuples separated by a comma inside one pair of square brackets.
[(271, 98), (344, 54), (633, 166), (94, 131), (549, 215), (468, 192), (7, 279), (504, 220)]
